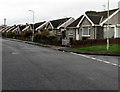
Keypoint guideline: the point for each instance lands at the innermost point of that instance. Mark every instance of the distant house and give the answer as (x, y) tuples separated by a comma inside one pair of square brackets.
[(21, 27), (16, 29), (4, 30), (11, 28), (2, 26), (90, 28), (40, 26), (72, 32), (26, 27), (58, 27)]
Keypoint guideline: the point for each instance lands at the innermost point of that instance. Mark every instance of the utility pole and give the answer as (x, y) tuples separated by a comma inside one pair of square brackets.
[(108, 42), (33, 24)]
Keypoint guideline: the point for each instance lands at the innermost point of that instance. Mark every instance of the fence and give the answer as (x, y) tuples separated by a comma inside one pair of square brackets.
[(94, 42)]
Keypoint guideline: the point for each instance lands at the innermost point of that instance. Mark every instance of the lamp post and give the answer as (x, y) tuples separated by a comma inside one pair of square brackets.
[(108, 29), (33, 24)]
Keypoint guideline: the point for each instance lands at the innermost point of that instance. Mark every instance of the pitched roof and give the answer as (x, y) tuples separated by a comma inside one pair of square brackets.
[(97, 17), (12, 28), (76, 22), (3, 29), (58, 22), (22, 27), (8, 28), (36, 25)]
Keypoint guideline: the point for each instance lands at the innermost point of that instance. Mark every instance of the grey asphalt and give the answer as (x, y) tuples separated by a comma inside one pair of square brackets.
[(112, 59), (30, 67)]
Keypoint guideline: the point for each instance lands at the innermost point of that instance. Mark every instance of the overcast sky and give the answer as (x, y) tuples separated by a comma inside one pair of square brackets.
[(16, 11)]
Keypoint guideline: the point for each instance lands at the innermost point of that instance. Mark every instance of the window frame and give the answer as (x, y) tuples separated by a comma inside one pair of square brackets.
[(88, 33)]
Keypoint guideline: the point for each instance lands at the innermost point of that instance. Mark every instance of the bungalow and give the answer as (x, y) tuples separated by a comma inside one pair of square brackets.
[(1, 27), (11, 28), (27, 27), (40, 26), (72, 32), (16, 29), (58, 27), (4, 30), (94, 26), (114, 24), (90, 28)]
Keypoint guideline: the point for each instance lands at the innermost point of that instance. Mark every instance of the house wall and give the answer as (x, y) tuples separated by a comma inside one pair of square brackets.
[(50, 29), (92, 29), (119, 17), (114, 30), (77, 37), (114, 20), (49, 26), (109, 32), (117, 32), (70, 33), (1, 27), (62, 28)]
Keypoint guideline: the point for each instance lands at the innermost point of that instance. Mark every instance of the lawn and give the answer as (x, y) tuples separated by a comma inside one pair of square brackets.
[(102, 48)]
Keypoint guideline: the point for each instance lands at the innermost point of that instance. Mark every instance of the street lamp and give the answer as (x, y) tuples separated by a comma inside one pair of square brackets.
[(108, 29), (33, 23)]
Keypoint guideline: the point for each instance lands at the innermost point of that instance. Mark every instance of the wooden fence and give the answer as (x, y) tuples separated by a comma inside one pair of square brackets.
[(94, 42)]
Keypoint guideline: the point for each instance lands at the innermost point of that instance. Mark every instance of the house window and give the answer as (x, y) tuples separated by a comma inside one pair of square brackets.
[(85, 31)]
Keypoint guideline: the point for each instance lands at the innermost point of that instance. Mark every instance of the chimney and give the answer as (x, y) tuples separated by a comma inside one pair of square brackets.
[(4, 21)]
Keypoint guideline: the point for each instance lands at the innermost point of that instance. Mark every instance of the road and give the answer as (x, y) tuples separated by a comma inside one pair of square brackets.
[(30, 67)]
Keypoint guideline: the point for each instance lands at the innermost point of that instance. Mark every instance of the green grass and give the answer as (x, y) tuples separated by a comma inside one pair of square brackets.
[(102, 48)]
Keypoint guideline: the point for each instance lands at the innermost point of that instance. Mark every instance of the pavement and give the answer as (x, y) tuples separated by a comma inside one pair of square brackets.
[(32, 67), (68, 49)]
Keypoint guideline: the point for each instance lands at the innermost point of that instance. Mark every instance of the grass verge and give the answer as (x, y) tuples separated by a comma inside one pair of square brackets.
[(102, 48)]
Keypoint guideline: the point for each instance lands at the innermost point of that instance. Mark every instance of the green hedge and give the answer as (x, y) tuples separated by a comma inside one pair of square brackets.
[(51, 40)]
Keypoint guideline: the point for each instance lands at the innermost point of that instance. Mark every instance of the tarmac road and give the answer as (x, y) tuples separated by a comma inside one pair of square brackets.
[(30, 67)]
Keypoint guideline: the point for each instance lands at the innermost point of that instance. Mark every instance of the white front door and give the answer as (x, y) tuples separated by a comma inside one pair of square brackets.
[(77, 34)]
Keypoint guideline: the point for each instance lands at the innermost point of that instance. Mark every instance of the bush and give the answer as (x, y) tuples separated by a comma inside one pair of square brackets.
[(45, 33), (10, 34), (50, 37), (46, 39), (3, 35), (28, 33), (37, 37)]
